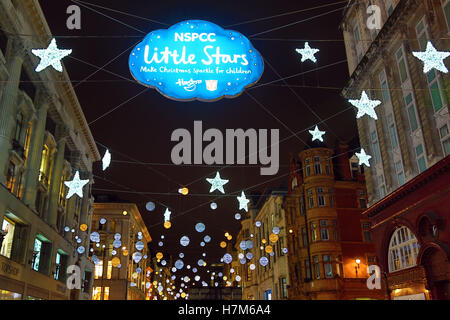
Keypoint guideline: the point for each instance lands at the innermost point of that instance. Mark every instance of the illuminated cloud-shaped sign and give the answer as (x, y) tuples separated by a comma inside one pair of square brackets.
[(196, 60)]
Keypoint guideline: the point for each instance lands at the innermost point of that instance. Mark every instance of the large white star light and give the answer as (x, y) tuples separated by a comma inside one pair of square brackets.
[(432, 58), (217, 183), (308, 53), (365, 106), (51, 56), (317, 134), (75, 186), (167, 214), (106, 161), (363, 157), (243, 202)]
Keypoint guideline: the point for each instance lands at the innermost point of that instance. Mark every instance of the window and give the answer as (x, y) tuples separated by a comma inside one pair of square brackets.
[(313, 232), (357, 39), (320, 197), (316, 267), (109, 271), (362, 203), (384, 86), (389, 7), (96, 293), (324, 230), (317, 168), (381, 186), (403, 249), (366, 232), (446, 8), (86, 281), (304, 237), (308, 171), (420, 158), (302, 207), (307, 270), (327, 266), (411, 110), (8, 227), (401, 63), (310, 199), (445, 139), (10, 175), (375, 146), (400, 173), (63, 191), (45, 166), (41, 254), (392, 131), (434, 82), (61, 266), (98, 272), (18, 135), (284, 292)]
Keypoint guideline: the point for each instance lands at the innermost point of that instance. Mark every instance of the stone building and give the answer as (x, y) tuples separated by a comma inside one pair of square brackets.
[(268, 282), (409, 143), (119, 275), (44, 140), (328, 239)]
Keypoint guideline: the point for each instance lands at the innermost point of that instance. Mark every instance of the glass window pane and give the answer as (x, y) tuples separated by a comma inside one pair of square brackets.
[(412, 118), (436, 96)]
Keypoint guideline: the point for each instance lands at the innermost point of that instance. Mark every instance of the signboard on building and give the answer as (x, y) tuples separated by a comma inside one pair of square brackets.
[(196, 60)]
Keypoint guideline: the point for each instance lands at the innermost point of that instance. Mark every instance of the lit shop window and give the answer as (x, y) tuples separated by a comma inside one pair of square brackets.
[(445, 139), (8, 227), (96, 293), (98, 272)]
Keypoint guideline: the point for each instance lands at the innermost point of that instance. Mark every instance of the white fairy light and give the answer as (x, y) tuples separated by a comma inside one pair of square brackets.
[(363, 157), (243, 202), (217, 183), (365, 106), (308, 53), (317, 134), (432, 59), (106, 161), (50, 57), (75, 186)]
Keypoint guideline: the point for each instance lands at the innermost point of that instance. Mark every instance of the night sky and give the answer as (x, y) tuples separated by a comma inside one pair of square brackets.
[(139, 131)]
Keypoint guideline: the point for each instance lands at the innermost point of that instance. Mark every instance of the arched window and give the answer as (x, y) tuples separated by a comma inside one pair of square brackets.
[(403, 249)]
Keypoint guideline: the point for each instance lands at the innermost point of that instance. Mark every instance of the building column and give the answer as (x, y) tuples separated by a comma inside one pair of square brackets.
[(33, 163), (51, 215), (14, 61)]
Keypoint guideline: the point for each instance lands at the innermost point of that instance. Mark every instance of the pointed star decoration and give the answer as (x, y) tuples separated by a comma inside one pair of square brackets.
[(432, 58), (106, 161), (50, 57), (317, 134), (308, 53), (363, 157), (167, 214), (75, 186), (365, 106), (217, 183), (243, 202)]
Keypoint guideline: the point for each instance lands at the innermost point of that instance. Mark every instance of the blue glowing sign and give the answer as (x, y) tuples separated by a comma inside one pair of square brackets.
[(196, 60)]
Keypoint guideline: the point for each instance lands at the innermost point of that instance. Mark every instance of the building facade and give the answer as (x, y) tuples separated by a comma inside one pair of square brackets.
[(269, 282), (44, 140), (119, 273), (329, 242), (413, 128), (409, 142)]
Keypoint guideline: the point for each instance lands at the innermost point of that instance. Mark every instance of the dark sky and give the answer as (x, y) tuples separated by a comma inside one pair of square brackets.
[(141, 129)]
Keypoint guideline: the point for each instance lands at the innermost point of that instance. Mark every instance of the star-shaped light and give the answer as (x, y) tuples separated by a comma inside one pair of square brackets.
[(50, 57), (75, 186), (243, 202), (432, 58), (308, 53), (365, 106), (317, 134), (363, 157), (106, 161), (217, 183), (167, 214)]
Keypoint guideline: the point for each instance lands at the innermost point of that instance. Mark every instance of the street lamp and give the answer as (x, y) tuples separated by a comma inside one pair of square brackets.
[(357, 261)]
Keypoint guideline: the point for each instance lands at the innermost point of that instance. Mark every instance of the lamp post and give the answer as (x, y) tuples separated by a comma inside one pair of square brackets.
[(357, 261)]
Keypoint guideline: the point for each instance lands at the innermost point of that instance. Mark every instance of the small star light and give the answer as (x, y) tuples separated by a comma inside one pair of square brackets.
[(308, 53), (243, 202), (217, 183), (363, 157), (106, 161), (50, 57), (432, 58), (317, 134), (365, 106), (75, 186), (167, 214)]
